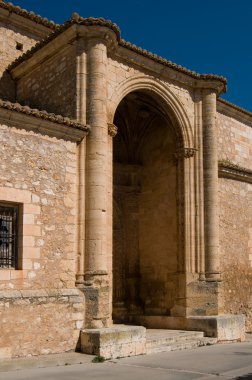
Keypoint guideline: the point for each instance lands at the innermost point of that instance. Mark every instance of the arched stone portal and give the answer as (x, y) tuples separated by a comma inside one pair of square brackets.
[(145, 213)]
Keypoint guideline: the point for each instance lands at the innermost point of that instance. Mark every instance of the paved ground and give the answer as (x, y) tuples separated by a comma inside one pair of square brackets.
[(222, 362)]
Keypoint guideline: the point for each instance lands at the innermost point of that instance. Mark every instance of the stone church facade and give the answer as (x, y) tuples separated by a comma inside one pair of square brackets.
[(125, 191)]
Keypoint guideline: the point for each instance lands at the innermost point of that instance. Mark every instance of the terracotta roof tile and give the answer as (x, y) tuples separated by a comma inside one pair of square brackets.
[(61, 28), (170, 64), (43, 115), (27, 14), (76, 19), (232, 165)]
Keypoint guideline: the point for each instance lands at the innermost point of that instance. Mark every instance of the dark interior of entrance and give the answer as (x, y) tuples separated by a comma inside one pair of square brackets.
[(145, 228)]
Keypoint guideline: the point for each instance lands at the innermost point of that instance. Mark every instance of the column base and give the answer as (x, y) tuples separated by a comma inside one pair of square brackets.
[(212, 276), (79, 281), (97, 300)]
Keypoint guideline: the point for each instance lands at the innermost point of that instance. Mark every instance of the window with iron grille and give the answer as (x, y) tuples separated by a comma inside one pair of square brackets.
[(8, 235)]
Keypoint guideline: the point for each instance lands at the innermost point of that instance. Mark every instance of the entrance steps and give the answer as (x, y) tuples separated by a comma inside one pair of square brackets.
[(160, 340), (120, 341)]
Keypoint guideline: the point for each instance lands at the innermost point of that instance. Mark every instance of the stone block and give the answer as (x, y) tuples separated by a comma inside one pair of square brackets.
[(115, 342), (222, 327)]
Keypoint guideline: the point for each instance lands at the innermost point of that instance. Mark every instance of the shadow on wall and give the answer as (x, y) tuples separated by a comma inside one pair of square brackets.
[(247, 377), (7, 87)]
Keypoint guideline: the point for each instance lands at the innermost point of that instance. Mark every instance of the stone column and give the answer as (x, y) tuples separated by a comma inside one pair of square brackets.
[(112, 131), (199, 187), (210, 158), (96, 274)]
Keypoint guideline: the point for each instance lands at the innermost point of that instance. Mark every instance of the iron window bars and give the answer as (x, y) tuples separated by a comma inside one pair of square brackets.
[(8, 235)]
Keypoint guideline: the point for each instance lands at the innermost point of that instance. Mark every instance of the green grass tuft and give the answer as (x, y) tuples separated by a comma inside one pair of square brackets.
[(98, 359)]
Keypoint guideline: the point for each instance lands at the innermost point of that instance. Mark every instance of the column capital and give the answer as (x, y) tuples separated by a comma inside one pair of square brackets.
[(112, 129), (101, 36), (183, 153), (209, 91)]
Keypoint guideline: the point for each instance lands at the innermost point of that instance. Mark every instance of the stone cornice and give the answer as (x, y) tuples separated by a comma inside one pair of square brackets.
[(174, 66), (237, 113), (207, 79), (28, 118), (75, 20), (28, 15), (230, 170)]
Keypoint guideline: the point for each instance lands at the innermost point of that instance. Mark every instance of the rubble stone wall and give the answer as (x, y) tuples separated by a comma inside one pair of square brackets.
[(39, 308), (38, 322)]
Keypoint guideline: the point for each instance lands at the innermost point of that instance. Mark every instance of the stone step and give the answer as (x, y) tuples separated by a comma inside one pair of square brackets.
[(171, 340), (176, 346), (163, 336)]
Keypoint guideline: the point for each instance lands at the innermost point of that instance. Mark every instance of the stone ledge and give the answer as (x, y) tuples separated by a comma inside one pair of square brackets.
[(115, 342), (37, 295)]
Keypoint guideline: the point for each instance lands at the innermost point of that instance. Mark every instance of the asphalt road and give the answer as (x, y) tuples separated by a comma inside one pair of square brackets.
[(222, 362)]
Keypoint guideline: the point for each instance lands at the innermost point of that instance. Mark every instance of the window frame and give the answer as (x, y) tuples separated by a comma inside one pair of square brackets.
[(15, 258)]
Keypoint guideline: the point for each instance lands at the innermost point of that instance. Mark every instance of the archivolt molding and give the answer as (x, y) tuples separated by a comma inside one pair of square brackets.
[(169, 99)]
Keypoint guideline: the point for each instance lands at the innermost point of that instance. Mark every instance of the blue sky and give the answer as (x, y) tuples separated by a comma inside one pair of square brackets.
[(202, 35)]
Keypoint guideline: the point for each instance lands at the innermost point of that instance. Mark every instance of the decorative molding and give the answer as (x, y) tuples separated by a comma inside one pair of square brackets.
[(228, 169), (182, 153), (112, 130)]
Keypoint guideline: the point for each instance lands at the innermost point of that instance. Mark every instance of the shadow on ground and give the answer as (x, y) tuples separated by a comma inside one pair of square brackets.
[(244, 377)]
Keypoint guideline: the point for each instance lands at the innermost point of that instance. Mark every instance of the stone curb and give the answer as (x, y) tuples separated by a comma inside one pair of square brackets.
[(42, 361)]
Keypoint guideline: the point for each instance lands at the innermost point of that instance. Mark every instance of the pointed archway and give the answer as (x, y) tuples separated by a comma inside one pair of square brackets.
[(146, 258)]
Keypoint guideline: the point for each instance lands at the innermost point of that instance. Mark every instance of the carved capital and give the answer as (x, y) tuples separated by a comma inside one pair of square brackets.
[(182, 153), (112, 130)]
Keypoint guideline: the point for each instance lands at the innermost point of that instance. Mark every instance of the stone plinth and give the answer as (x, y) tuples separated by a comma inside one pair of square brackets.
[(115, 342), (222, 327)]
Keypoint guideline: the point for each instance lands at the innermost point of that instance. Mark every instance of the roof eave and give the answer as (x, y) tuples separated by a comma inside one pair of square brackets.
[(31, 16), (207, 80), (234, 111), (24, 117)]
